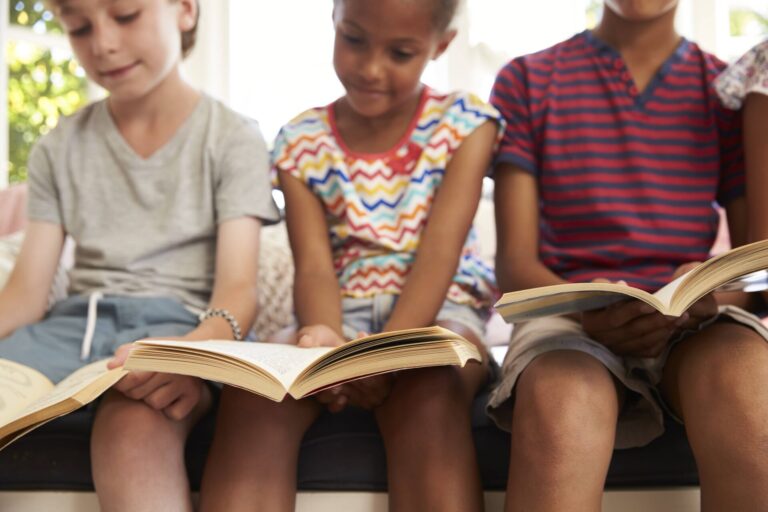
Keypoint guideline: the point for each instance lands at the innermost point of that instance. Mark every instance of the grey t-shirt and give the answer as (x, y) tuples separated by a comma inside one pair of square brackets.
[(147, 227)]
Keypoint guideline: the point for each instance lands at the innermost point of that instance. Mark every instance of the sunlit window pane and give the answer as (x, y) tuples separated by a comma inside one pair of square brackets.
[(43, 84), (33, 14)]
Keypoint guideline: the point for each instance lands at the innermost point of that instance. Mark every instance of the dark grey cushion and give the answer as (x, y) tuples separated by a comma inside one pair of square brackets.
[(340, 452)]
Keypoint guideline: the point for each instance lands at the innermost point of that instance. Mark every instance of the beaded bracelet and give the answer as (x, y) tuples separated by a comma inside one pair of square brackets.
[(226, 315)]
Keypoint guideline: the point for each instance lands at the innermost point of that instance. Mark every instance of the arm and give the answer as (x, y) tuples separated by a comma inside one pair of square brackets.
[(445, 233), (236, 278), (24, 298), (316, 288), (234, 289), (516, 199), (754, 215), (756, 156)]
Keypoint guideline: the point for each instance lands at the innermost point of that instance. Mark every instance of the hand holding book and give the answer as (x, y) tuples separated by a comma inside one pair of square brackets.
[(28, 399), (740, 268)]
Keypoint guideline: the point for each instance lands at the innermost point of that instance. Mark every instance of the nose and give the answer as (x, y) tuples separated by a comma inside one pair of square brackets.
[(104, 40), (372, 66)]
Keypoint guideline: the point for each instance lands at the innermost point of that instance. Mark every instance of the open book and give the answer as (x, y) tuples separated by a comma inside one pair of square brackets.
[(274, 370), (742, 268), (28, 399)]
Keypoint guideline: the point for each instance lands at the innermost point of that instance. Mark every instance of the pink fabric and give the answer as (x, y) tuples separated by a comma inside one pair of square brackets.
[(13, 209)]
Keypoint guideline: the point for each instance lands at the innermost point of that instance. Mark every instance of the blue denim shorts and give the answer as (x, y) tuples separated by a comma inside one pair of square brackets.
[(53, 346), (369, 315)]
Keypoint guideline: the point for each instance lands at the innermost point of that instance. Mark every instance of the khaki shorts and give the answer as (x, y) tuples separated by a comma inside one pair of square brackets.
[(641, 420)]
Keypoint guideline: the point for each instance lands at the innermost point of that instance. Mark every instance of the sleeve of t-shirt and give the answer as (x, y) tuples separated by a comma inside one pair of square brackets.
[(467, 113), (510, 95), (43, 202), (282, 154), (732, 174), (243, 186)]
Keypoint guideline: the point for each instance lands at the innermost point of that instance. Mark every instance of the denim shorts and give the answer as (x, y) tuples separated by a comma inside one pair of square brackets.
[(369, 314), (53, 346)]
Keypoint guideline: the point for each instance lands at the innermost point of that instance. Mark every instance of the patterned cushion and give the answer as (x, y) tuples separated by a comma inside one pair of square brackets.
[(275, 282)]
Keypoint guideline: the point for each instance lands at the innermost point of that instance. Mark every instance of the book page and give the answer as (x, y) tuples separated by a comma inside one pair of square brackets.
[(20, 386), (567, 298), (284, 362), (75, 384)]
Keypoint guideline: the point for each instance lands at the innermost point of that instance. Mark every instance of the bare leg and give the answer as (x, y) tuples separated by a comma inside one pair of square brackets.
[(563, 432), (137, 455), (425, 422), (253, 461), (716, 381)]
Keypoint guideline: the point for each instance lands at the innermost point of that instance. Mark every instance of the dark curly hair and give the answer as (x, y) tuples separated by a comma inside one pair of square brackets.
[(442, 15)]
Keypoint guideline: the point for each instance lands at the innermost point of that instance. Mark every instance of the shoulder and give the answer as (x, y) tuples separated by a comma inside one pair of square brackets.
[(539, 68), (458, 107), (227, 125), (311, 121), (73, 127), (311, 126), (708, 64)]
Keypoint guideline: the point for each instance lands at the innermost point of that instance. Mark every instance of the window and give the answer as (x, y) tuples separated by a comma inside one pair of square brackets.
[(748, 25), (280, 55), (43, 81)]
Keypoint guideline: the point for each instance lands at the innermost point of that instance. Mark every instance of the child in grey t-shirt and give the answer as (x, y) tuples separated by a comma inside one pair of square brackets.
[(163, 189)]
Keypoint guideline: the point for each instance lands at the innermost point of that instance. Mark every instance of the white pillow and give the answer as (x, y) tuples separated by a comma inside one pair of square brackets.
[(10, 246)]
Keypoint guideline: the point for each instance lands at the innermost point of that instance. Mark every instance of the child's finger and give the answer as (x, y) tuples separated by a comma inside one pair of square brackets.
[(132, 380), (181, 408), (121, 354), (162, 397), (144, 389)]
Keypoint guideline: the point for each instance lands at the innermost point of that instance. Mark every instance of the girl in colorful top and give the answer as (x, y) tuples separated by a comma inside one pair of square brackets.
[(381, 187), (745, 84), (163, 190)]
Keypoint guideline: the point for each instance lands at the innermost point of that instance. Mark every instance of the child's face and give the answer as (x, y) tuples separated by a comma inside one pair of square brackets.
[(640, 10), (381, 49), (127, 46)]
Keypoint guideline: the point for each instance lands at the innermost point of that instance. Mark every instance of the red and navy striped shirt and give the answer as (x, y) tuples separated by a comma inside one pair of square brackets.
[(627, 181)]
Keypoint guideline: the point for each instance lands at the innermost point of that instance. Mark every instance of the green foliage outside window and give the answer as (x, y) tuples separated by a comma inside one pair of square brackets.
[(43, 84), (748, 22), (33, 14), (594, 12)]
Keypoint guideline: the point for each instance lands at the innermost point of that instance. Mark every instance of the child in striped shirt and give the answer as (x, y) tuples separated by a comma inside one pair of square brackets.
[(615, 151)]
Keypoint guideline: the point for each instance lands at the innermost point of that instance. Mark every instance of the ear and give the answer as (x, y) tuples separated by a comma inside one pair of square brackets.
[(187, 14), (444, 43)]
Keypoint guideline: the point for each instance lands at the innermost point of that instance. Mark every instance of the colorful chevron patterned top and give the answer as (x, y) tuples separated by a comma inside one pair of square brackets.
[(377, 205)]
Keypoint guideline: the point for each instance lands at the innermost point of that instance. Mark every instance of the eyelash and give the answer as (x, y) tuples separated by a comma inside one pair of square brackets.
[(401, 55), (353, 40), (127, 18), (122, 20)]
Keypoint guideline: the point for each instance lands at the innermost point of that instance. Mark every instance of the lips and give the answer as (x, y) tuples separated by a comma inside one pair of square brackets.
[(369, 92), (118, 72)]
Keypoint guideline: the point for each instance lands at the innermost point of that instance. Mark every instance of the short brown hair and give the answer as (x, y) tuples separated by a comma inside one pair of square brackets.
[(188, 38)]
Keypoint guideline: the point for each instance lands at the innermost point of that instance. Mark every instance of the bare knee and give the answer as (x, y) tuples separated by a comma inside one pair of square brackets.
[(255, 416), (425, 398), (724, 366), (565, 401), (122, 424)]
